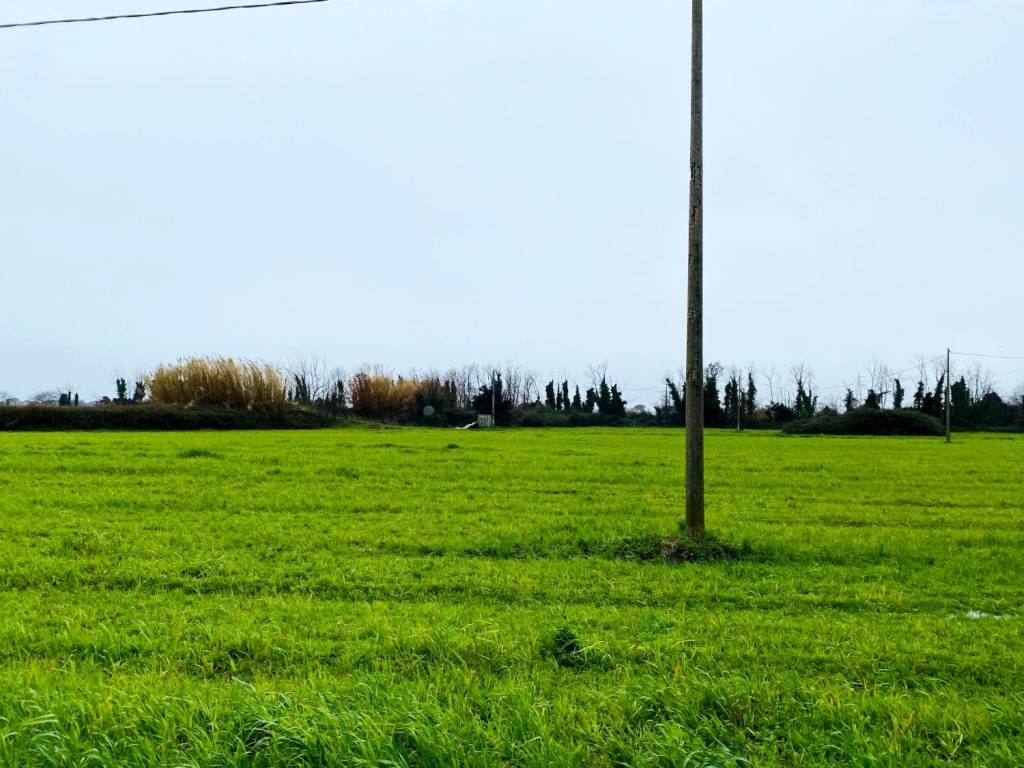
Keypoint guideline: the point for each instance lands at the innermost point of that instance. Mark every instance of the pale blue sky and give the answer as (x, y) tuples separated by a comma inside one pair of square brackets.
[(432, 182)]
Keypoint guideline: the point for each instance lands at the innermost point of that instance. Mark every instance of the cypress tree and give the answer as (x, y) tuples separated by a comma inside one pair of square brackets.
[(712, 401), (850, 401), (750, 400), (733, 402), (960, 395), (678, 401), (897, 395), (919, 396), (549, 394), (577, 403), (938, 401), (604, 398), (616, 406), (928, 403)]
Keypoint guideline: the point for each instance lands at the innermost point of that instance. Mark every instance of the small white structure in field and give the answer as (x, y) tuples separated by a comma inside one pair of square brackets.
[(485, 420)]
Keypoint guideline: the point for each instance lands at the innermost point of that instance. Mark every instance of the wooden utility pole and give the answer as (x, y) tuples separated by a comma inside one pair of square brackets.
[(695, 288), (949, 431), (494, 388)]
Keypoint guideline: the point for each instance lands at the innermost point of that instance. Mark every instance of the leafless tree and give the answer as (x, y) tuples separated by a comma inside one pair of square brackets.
[(1018, 395), (47, 397), (922, 369), (467, 382), (531, 390), (513, 386), (771, 375), (880, 378), (597, 372), (979, 381), (338, 375), (315, 372), (800, 375), (489, 373), (939, 368)]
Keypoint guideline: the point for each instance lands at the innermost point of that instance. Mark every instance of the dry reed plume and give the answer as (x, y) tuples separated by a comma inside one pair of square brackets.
[(378, 394), (220, 381)]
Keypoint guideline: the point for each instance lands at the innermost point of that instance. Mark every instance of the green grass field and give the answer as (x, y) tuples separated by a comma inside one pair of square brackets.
[(391, 597)]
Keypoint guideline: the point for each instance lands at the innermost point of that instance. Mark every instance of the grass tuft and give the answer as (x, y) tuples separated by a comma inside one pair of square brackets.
[(682, 548), (565, 648), (199, 453)]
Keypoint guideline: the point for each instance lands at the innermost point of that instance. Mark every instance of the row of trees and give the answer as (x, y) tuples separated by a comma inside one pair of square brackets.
[(601, 399), (730, 397), (979, 407), (737, 404), (974, 401)]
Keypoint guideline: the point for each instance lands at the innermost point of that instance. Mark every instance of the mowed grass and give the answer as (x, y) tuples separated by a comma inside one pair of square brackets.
[(392, 597)]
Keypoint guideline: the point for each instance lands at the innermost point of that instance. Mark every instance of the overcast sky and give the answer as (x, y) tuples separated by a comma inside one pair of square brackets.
[(425, 183)]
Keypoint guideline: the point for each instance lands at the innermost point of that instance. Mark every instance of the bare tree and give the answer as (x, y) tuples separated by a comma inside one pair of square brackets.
[(467, 379), (979, 381), (531, 390), (47, 397), (513, 384), (880, 378), (939, 368), (489, 373), (315, 373), (771, 375), (695, 286), (597, 372), (800, 375), (922, 369)]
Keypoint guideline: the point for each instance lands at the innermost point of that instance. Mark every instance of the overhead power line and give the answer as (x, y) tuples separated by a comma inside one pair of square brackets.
[(994, 357), (150, 14)]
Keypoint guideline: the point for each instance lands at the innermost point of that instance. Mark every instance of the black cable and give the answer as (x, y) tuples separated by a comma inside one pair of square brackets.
[(159, 13), (994, 357)]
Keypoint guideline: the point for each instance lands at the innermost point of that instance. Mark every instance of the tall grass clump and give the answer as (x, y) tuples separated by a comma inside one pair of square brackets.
[(375, 393), (220, 381)]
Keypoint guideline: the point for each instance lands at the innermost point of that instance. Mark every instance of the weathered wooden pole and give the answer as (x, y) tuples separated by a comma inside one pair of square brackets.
[(695, 289)]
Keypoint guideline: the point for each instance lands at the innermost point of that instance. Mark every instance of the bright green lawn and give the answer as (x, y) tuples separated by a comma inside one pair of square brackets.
[(388, 597)]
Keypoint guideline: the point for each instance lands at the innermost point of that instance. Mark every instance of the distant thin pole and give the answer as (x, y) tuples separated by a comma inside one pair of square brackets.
[(494, 413), (739, 405), (695, 288), (949, 431)]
